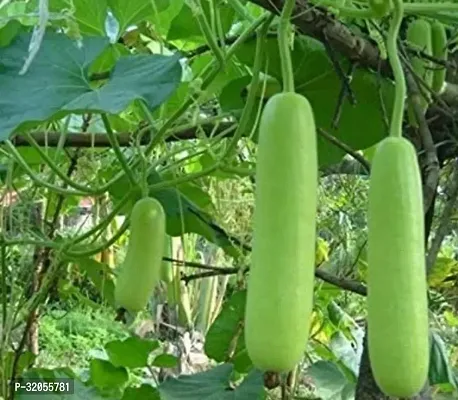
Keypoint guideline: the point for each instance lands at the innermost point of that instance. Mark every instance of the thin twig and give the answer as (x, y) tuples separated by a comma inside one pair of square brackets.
[(343, 94), (332, 139), (201, 266), (346, 284)]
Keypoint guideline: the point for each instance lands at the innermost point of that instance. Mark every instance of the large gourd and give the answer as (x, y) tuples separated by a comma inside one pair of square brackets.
[(397, 288), (280, 283), (419, 37), (140, 271)]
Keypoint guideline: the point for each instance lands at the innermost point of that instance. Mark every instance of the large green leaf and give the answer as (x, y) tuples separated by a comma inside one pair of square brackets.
[(225, 327), (57, 82), (183, 212), (328, 379), (231, 71), (185, 25), (163, 21), (9, 32), (132, 12), (165, 361), (78, 390), (91, 16), (440, 370), (19, 11), (359, 126), (106, 377), (213, 385), (143, 392), (101, 277), (132, 352), (26, 359)]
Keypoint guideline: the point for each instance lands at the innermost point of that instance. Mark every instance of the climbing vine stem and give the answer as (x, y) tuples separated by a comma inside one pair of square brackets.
[(283, 44), (393, 56)]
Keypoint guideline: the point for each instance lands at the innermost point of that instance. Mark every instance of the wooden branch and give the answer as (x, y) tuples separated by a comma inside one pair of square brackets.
[(346, 284), (431, 169), (338, 143), (317, 23), (125, 139)]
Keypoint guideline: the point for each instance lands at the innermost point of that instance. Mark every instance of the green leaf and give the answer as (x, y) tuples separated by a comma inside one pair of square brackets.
[(80, 390), (183, 214), (101, 276), (132, 12), (450, 318), (200, 386), (241, 360), (165, 361), (104, 375), (26, 359), (231, 99), (9, 32), (90, 16), (165, 18), (185, 25), (345, 353), (132, 352), (18, 11), (252, 388), (359, 127), (328, 380), (57, 82), (108, 58), (440, 370), (213, 385), (227, 324), (442, 268), (144, 392), (230, 72)]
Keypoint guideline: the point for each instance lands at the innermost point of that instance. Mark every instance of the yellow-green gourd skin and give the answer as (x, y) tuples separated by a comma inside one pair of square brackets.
[(439, 49), (419, 36), (140, 272), (397, 289), (280, 284), (167, 267)]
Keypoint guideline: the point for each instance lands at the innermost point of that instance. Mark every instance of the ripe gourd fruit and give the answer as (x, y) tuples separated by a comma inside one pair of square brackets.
[(397, 288), (280, 284), (439, 50), (140, 271), (419, 37)]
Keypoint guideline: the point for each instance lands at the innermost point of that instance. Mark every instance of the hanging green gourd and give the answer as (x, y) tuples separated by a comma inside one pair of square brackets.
[(419, 37), (280, 284), (141, 269), (398, 339)]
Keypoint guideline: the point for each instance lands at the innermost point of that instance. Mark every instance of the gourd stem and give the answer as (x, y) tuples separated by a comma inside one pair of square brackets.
[(285, 54), (400, 82)]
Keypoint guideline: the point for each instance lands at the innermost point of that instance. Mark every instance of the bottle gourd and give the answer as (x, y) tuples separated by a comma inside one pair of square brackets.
[(439, 49), (397, 290), (280, 283), (140, 272), (419, 37)]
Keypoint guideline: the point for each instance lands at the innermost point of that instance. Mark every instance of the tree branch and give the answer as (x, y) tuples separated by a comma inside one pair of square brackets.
[(431, 167), (338, 143)]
